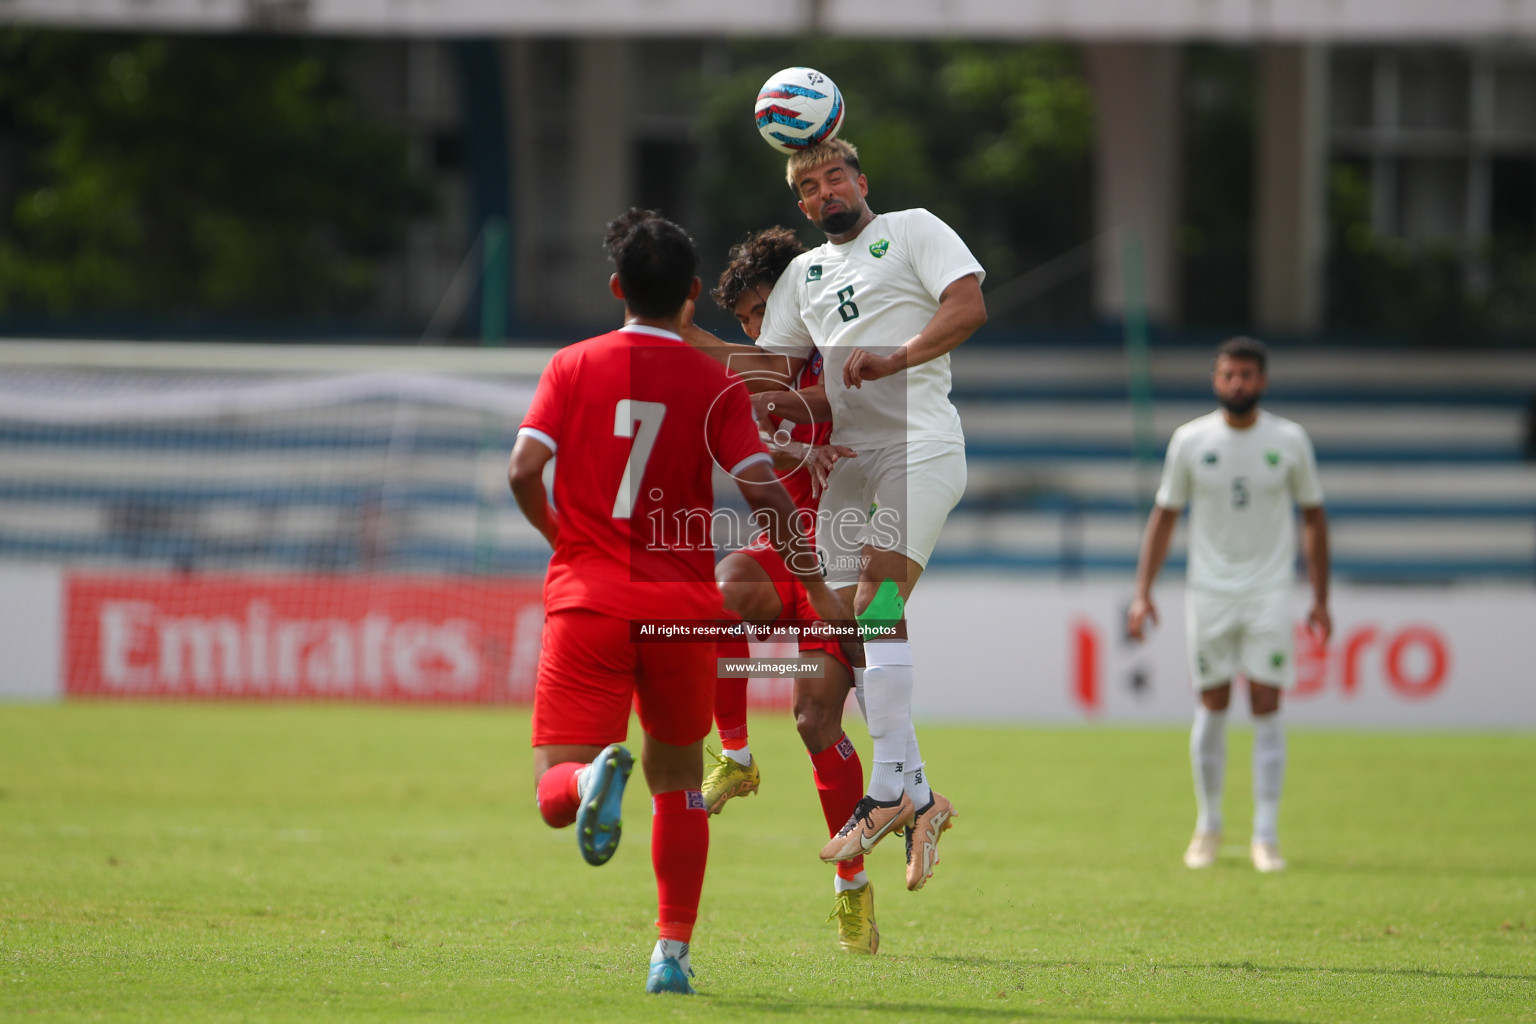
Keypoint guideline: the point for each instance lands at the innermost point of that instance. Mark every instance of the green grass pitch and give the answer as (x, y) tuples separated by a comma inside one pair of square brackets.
[(276, 863)]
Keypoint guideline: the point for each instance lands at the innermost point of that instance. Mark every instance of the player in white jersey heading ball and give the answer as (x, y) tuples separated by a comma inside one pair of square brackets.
[(884, 300), (1241, 471)]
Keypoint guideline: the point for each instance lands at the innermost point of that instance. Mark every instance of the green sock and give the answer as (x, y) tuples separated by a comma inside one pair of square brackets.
[(883, 613)]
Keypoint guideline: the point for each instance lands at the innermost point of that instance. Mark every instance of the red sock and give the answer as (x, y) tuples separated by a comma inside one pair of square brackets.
[(679, 848), (731, 699), (840, 784), (558, 796)]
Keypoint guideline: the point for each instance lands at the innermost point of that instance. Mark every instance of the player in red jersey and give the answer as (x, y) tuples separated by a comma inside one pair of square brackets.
[(642, 419), (757, 586)]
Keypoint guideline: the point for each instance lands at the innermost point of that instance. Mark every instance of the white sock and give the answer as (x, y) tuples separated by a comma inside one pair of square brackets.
[(886, 781), (913, 778), (858, 692), (888, 706), (742, 756), (1208, 758), (673, 948), (841, 884), (1268, 775)]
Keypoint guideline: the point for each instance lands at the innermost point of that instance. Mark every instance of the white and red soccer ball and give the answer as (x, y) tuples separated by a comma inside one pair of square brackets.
[(797, 108)]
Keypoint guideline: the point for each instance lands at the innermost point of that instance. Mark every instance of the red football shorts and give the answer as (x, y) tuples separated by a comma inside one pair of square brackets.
[(590, 672), (794, 603)]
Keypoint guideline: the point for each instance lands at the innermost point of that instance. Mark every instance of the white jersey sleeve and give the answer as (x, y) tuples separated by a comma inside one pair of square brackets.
[(784, 328), (1306, 488), (1173, 490), (938, 254)]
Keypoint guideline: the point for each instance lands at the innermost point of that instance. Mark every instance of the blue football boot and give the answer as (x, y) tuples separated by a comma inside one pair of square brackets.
[(670, 969), (599, 821)]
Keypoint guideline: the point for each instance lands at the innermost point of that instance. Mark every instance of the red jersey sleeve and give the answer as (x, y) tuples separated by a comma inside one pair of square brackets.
[(732, 432), (546, 413), (810, 433)]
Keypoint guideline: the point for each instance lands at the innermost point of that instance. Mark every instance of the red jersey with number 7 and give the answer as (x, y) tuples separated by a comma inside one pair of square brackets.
[(638, 420)]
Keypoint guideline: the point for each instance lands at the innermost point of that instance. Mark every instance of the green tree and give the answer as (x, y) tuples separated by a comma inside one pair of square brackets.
[(1216, 227), (1434, 291), (189, 175), (995, 139)]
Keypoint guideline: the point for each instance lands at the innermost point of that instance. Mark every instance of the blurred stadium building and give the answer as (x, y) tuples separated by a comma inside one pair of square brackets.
[(242, 491), (1435, 102)]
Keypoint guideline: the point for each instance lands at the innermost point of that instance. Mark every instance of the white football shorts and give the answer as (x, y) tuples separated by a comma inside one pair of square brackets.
[(894, 498), (1251, 635)]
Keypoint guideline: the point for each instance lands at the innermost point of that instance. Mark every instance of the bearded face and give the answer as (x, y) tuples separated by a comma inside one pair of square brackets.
[(1238, 384), (837, 220), (1239, 405)]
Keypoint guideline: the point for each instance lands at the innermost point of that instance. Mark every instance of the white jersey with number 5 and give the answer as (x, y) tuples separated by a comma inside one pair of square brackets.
[(1241, 486), (875, 292)]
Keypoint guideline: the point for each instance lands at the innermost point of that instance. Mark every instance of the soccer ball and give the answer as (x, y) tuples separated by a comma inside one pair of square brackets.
[(797, 108)]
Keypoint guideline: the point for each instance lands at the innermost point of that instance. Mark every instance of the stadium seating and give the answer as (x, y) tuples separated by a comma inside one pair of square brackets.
[(1425, 458), (1426, 461)]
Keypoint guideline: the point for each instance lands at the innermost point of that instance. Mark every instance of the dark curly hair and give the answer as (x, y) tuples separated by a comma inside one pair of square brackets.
[(758, 260), (655, 260)]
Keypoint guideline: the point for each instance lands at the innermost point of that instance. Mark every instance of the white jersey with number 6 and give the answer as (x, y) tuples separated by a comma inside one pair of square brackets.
[(1241, 486), (875, 292)]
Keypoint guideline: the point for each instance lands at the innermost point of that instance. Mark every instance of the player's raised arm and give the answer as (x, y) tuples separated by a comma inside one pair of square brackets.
[(962, 311), (761, 370), (699, 338), (805, 405), (714, 347)]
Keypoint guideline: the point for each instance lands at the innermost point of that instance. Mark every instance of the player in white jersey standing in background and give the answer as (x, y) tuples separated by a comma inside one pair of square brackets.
[(885, 300), (1240, 470)]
